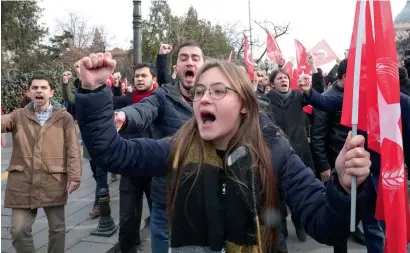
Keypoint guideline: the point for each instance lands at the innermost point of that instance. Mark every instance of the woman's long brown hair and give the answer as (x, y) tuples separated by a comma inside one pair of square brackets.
[(249, 134)]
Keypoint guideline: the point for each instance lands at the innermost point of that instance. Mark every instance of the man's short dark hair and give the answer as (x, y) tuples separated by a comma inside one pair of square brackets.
[(240, 63), (342, 69), (41, 77), (152, 68), (402, 73), (189, 44)]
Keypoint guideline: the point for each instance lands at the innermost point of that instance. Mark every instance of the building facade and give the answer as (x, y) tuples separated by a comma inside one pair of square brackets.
[(402, 22)]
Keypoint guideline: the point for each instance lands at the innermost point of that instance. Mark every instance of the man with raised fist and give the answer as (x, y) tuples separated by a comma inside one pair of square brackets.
[(167, 109)]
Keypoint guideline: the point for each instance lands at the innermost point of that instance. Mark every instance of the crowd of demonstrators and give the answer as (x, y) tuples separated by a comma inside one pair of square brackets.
[(219, 157), (212, 111), (327, 141)]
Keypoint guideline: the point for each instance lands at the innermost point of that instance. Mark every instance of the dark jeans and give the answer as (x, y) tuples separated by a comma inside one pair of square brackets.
[(373, 230), (131, 206), (100, 177), (159, 228)]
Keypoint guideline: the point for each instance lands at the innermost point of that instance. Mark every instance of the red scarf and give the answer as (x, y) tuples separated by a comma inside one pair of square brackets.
[(138, 96)]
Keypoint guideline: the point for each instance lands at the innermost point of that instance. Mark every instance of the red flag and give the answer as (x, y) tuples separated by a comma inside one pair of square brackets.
[(124, 84), (230, 57), (292, 72), (110, 81), (302, 59), (247, 58), (303, 67), (322, 53), (348, 89), (294, 77), (273, 51), (393, 187)]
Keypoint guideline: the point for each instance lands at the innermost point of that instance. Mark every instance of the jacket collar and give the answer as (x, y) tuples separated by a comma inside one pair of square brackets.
[(56, 106), (337, 87), (174, 92)]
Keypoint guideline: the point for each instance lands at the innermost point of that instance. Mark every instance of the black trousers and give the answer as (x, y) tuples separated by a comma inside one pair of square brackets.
[(131, 206)]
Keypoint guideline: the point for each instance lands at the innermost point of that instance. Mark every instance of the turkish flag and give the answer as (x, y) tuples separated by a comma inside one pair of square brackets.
[(247, 58), (322, 53), (273, 51), (379, 114), (364, 80), (303, 67), (293, 74), (393, 187), (302, 59)]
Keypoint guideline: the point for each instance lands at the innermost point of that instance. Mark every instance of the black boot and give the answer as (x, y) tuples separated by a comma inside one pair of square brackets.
[(300, 231), (358, 236)]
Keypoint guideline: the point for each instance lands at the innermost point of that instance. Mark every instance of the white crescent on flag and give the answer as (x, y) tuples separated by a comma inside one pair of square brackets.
[(321, 54)]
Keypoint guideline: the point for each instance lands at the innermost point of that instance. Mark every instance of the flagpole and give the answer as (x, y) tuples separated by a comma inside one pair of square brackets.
[(355, 102), (250, 27)]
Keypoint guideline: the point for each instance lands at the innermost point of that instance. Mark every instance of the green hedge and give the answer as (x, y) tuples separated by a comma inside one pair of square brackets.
[(12, 88)]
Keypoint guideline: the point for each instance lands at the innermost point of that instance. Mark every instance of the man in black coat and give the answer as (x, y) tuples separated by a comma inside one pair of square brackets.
[(327, 140)]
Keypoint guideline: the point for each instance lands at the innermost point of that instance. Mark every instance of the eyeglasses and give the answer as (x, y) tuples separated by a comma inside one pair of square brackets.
[(216, 90)]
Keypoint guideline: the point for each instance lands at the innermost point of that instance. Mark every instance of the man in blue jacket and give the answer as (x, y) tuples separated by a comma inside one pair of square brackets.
[(167, 109), (374, 230)]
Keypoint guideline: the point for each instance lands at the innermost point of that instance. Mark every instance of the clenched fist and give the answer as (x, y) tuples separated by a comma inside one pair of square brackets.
[(119, 120), (165, 49), (353, 160), (67, 76), (95, 69), (305, 83)]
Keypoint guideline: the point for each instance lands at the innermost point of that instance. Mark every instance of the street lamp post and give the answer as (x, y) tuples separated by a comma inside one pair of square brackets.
[(136, 24)]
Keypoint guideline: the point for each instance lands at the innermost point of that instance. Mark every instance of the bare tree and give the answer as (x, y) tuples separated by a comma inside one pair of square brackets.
[(106, 36), (78, 26), (236, 35)]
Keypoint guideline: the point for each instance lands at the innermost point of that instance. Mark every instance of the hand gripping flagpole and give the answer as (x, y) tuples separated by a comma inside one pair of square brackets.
[(355, 102)]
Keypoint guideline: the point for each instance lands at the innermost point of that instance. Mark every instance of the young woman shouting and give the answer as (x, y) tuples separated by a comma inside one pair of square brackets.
[(225, 165)]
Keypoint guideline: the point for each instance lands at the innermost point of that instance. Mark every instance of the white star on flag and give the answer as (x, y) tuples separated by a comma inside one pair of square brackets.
[(389, 120)]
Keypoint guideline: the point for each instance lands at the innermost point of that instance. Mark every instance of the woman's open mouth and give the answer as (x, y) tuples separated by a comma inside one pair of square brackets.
[(207, 118)]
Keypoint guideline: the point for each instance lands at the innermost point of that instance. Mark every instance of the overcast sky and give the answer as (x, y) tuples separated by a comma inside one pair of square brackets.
[(311, 20)]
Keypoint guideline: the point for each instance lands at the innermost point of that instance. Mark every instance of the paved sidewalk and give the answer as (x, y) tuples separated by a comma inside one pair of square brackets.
[(78, 222)]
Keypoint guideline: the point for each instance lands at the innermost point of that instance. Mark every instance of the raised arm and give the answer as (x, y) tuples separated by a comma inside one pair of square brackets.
[(68, 94), (140, 116), (138, 157), (326, 103), (161, 63)]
